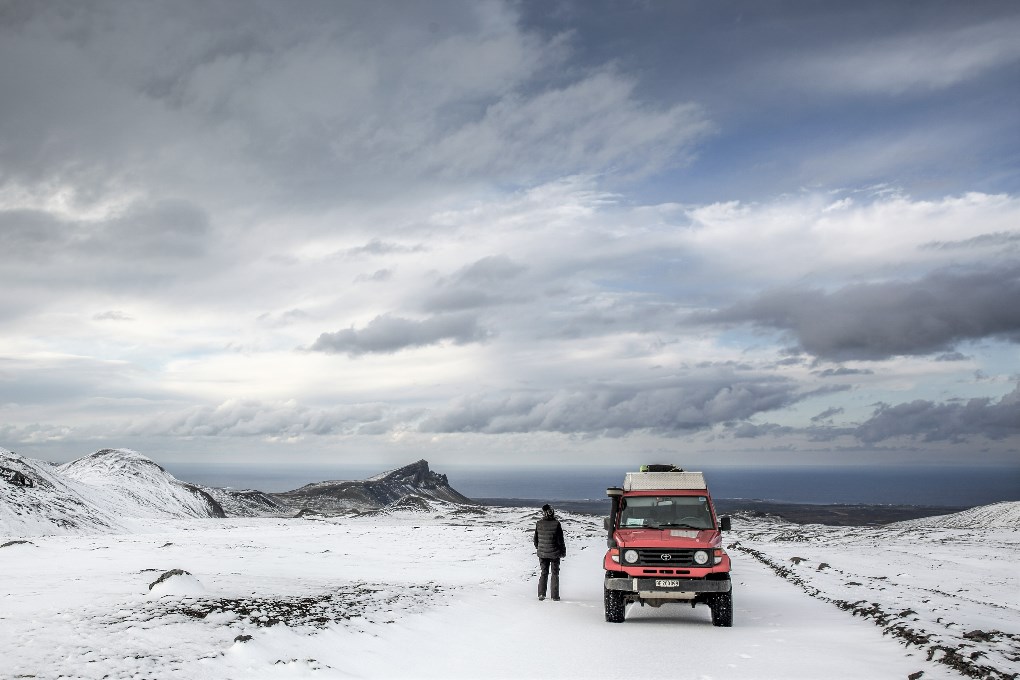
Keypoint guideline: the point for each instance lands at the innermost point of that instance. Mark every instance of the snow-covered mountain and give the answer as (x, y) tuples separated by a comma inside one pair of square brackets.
[(409, 484), (102, 492), (106, 490)]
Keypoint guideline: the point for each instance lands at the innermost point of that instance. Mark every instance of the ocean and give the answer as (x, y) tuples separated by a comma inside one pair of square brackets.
[(948, 486)]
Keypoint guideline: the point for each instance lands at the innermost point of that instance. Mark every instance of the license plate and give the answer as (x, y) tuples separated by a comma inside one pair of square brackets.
[(666, 583)]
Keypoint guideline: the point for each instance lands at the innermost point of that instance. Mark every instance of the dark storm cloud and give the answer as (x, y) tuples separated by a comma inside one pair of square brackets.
[(827, 414), (1006, 240), (157, 230), (112, 315), (672, 407), (165, 229), (239, 101), (491, 270), (282, 320), (387, 334), (953, 421), (752, 431), (64, 379), (881, 320), (488, 282), (380, 247), (254, 418), (148, 246), (842, 371), (817, 92), (30, 235)]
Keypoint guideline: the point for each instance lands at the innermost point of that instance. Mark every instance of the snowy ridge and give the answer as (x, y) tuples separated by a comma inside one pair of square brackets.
[(1005, 515), (246, 502), (102, 492)]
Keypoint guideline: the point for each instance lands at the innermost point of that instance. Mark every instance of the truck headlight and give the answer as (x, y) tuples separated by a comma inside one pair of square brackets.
[(630, 557), (701, 557)]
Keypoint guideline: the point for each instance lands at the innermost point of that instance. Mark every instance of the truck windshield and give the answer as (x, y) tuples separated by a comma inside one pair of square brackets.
[(662, 512)]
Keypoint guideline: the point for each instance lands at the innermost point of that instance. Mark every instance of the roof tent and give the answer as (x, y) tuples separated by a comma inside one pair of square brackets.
[(650, 481)]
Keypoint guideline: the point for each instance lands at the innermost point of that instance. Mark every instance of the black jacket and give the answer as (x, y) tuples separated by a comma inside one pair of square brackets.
[(549, 539)]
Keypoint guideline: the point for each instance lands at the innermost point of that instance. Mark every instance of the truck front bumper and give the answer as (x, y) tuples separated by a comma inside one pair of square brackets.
[(647, 587)]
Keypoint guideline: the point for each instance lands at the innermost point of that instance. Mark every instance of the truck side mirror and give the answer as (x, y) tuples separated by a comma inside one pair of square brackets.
[(607, 523), (724, 524)]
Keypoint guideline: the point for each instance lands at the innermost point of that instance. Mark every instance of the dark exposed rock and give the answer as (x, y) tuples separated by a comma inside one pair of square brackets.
[(16, 477), (412, 503), (350, 601), (215, 509), (167, 575), (9, 543), (246, 502)]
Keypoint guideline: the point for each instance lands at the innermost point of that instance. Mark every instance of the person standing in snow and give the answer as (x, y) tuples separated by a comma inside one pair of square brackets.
[(551, 549)]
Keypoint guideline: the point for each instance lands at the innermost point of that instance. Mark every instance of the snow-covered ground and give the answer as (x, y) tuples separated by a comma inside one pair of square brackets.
[(451, 594)]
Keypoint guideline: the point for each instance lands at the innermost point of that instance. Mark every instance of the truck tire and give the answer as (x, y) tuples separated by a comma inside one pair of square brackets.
[(616, 606), (722, 609)]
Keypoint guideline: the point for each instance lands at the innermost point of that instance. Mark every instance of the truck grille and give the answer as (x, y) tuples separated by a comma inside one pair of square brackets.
[(666, 558)]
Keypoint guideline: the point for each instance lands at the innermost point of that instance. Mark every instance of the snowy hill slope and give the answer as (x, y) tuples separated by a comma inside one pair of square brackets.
[(946, 585), (102, 492), (50, 505), (1004, 515)]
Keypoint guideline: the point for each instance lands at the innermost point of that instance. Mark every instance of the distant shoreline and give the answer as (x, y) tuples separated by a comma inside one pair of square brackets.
[(835, 514), (946, 487)]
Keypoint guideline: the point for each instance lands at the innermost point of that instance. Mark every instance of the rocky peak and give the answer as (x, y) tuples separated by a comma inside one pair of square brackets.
[(375, 492), (416, 474)]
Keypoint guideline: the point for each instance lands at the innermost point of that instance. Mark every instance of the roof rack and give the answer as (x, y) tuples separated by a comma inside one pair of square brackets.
[(649, 481)]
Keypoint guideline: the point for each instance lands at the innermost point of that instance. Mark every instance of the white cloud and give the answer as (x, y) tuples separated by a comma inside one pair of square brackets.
[(795, 237), (451, 203)]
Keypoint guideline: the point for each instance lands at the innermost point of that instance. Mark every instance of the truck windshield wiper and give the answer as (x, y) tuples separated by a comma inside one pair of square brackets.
[(679, 526)]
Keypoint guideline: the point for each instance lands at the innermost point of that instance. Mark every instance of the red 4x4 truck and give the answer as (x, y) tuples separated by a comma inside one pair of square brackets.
[(665, 546)]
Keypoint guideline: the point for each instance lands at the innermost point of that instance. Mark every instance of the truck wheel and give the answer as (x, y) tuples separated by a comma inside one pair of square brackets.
[(722, 609), (616, 607)]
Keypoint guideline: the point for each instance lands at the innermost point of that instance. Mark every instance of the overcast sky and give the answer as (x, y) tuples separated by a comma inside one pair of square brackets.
[(562, 231)]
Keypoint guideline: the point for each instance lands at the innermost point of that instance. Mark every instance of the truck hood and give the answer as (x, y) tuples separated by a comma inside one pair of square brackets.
[(668, 538)]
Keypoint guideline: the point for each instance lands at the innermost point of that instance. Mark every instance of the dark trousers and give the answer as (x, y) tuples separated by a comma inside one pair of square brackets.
[(543, 579)]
